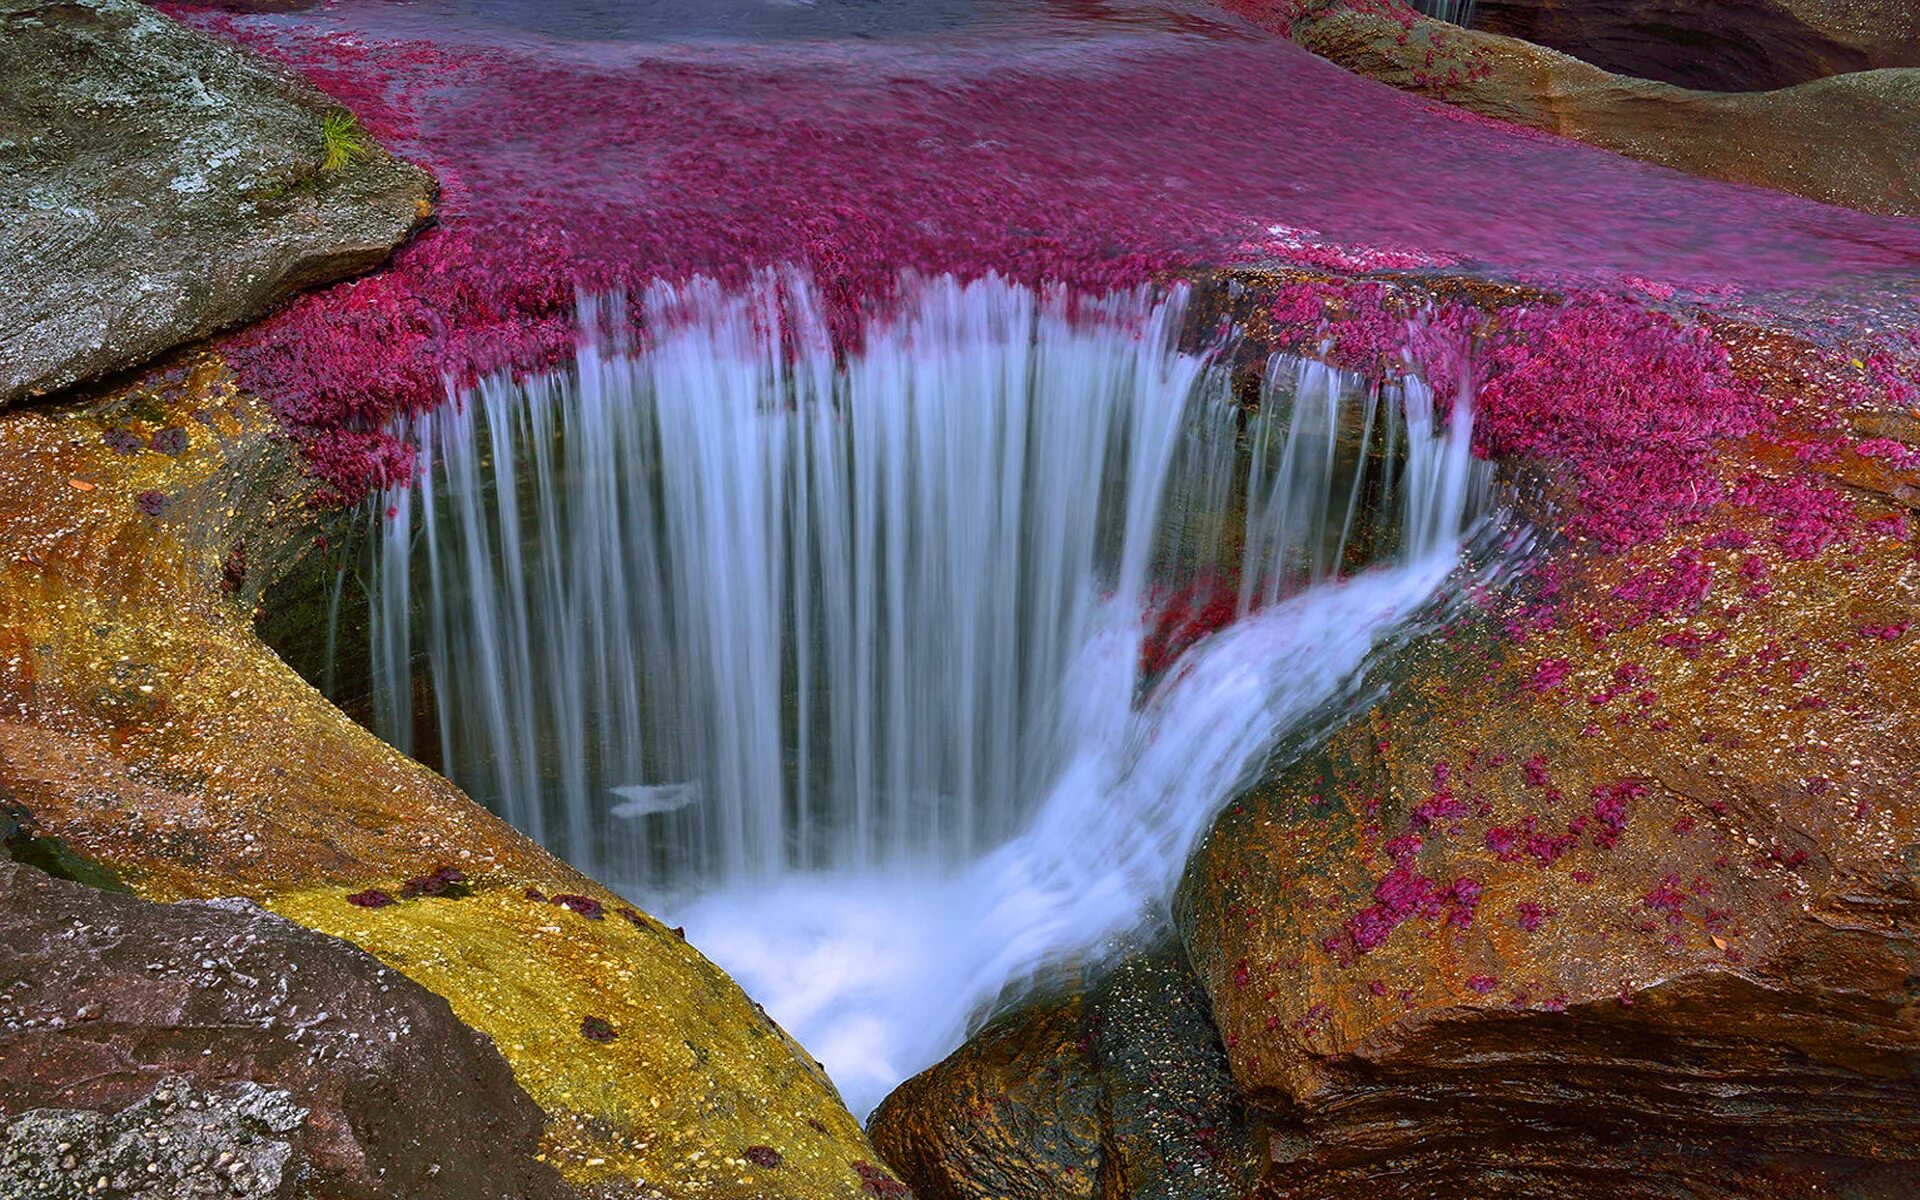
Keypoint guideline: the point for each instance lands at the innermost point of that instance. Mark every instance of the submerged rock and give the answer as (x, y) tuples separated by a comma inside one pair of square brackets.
[(215, 1049), (1120, 1090), (157, 185), (1728, 46)]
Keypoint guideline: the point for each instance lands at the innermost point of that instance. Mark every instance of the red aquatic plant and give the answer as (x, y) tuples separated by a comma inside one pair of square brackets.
[(586, 906)]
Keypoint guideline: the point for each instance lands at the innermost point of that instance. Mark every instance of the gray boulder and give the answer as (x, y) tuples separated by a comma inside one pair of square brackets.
[(157, 185), (180, 1143)]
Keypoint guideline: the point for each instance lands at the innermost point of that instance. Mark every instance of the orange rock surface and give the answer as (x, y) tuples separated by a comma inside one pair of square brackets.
[(144, 725)]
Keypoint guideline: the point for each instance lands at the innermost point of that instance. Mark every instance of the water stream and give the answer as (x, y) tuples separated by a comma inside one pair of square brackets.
[(900, 676)]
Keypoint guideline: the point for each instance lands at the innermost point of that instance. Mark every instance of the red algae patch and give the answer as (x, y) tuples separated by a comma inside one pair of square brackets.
[(1625, 404), (1097, 159)]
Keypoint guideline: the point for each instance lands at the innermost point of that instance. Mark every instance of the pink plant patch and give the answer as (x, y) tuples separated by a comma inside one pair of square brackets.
[(1104, 160)]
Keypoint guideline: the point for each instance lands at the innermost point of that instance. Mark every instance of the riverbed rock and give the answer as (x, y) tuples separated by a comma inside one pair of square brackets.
[(146, 730), (157, 185), (1610, 886), (1116, 1090), (1729, 46), (202, 1045), (1616, 891), (1851, 139)]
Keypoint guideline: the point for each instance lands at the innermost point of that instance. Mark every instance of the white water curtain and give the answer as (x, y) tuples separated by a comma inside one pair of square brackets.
[(715, 607)]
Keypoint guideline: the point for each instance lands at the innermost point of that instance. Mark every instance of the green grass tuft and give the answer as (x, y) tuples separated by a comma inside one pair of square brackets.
[(344, 140)]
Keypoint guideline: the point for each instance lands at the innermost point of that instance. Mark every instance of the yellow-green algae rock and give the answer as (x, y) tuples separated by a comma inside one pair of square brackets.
[(144, 725)]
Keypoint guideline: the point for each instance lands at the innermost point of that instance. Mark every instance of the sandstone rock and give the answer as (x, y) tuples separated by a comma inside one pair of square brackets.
[(1732, 46), (1118, 1091), (1852, 140), (145, 727), (183, 1049), (1621, 903), (156, 185)]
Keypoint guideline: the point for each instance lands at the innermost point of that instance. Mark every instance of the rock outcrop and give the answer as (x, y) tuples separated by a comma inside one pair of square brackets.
[(1615, 891), (146, 730), (213, 1048), (1728, 46), (157, 185), (1120, 1089), (1852, 139)]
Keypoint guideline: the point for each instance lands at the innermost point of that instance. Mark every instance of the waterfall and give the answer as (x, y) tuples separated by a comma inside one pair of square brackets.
[(1457, 12), (844, 664)]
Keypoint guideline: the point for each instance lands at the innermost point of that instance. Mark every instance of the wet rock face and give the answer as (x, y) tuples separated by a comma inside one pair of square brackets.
[(1739, 46), (156, 186), (233, 1142), (1614, 893), (1120, 1090), (212, 1048), (1013, 1113)]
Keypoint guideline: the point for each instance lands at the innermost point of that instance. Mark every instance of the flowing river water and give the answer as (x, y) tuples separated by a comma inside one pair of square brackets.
[(824, 527), (872, 672)]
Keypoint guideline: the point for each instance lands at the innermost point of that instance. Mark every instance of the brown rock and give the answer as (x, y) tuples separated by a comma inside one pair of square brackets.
[(1627, 909), (1730, 46), (1012, 1113), (1118, 1091), (107, 999)]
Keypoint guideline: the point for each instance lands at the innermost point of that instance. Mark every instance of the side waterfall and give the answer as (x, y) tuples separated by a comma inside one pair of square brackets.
[(1456, 12), (842, 663)]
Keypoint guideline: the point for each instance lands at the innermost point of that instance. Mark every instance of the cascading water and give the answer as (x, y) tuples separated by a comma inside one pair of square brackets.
[(846, 665), (1457, 12)]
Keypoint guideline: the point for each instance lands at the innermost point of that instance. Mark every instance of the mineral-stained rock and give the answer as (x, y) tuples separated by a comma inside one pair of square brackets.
[(182, 1049), (145, 729), (1120, 1092), (1014, 1113), (1849, 139), (1725, 46), (1619, 900), (157, 185)]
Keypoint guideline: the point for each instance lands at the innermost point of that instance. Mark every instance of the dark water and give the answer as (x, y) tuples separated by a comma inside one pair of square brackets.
[(697, 21)]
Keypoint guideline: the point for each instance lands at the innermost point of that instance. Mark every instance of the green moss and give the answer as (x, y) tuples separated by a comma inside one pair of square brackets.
[(20, 843), (345, 141)]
